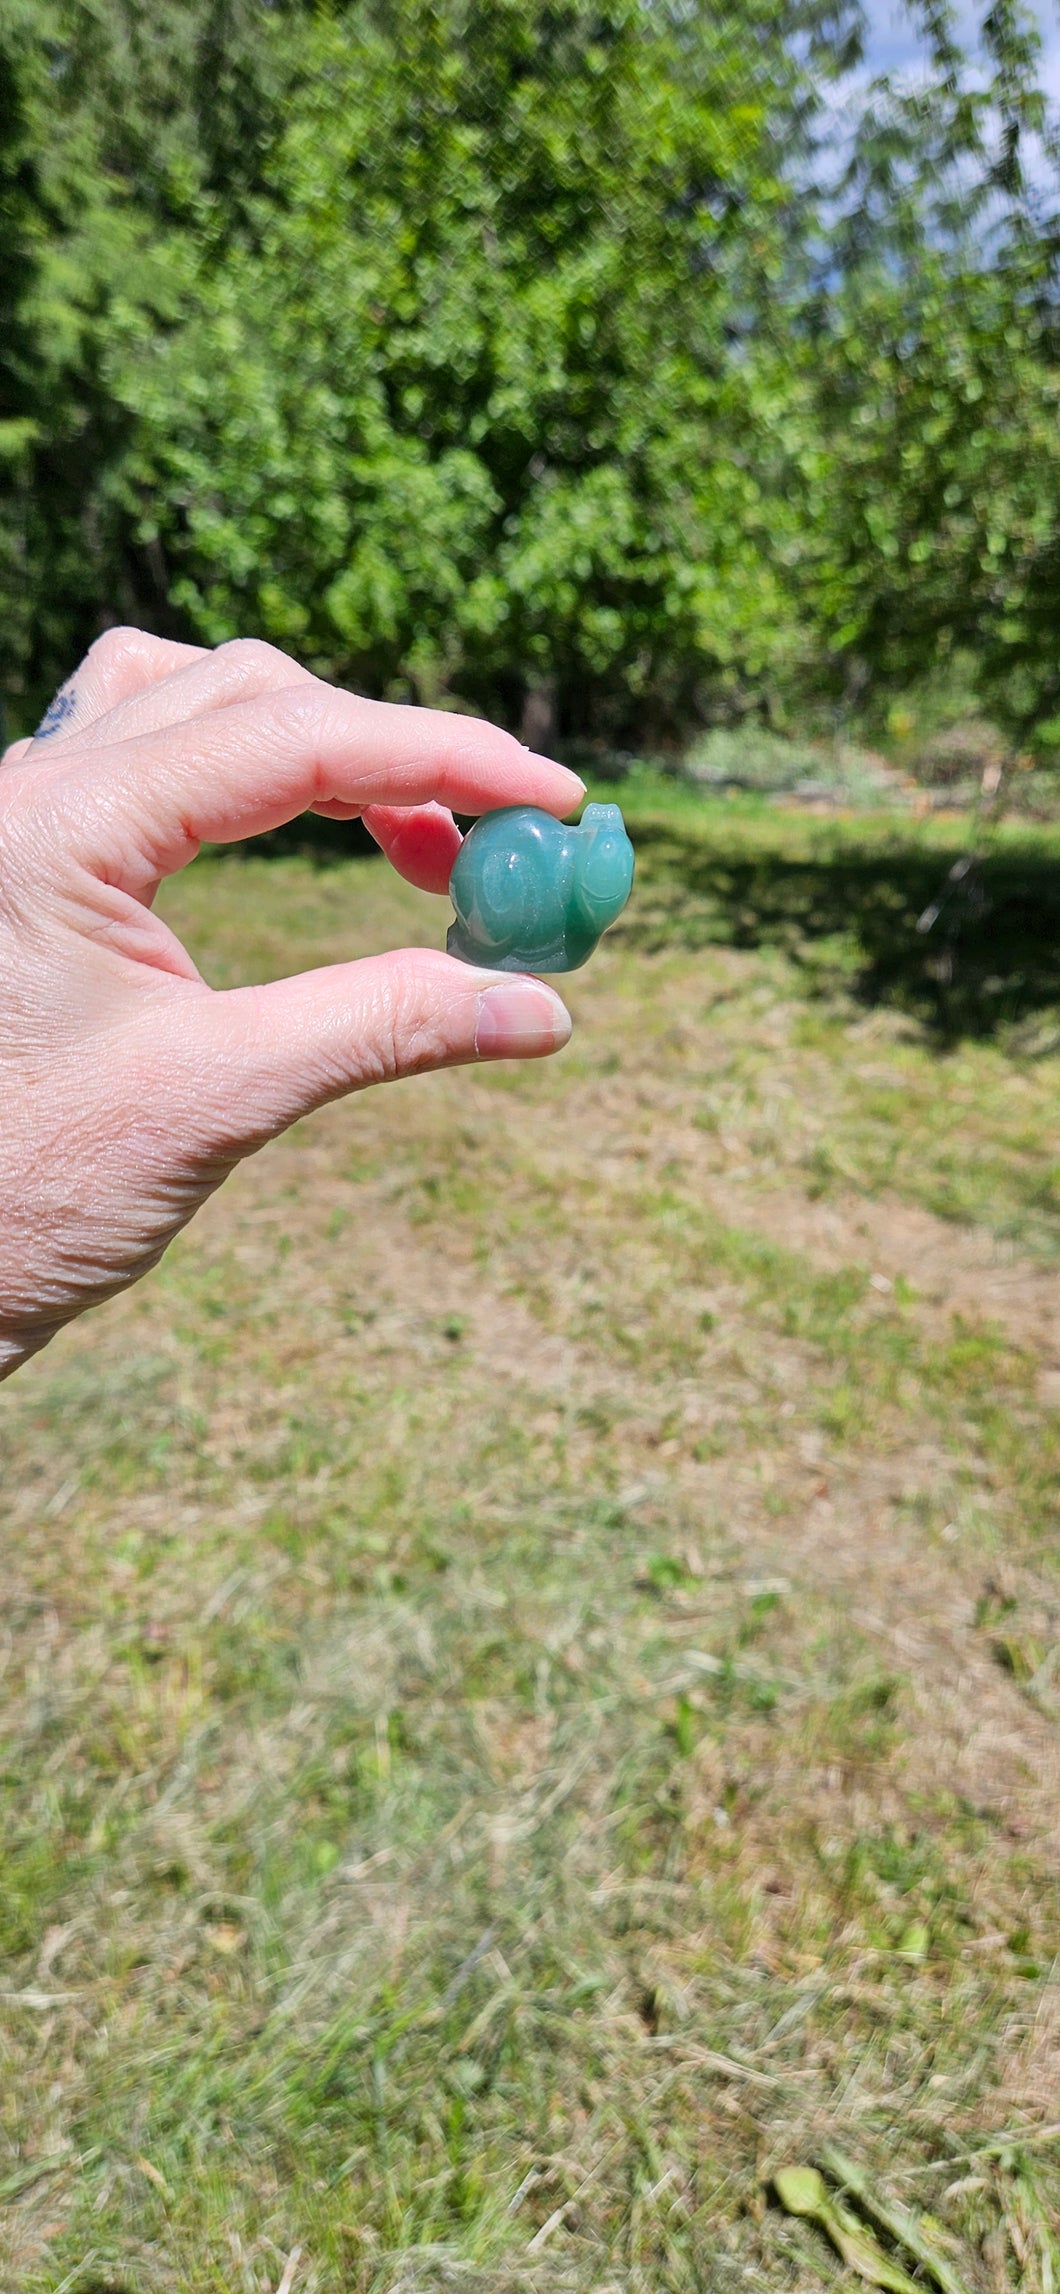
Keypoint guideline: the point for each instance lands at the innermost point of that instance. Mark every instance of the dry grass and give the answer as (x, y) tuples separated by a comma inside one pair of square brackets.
[(530, 1677)]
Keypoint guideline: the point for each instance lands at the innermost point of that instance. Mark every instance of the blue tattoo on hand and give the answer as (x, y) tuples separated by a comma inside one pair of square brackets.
[(56, 713)]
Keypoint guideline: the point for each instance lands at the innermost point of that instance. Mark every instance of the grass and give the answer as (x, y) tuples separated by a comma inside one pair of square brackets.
[(530, 1682)]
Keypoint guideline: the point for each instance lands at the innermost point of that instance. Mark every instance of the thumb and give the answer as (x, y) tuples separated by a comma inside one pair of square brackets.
[(263, 1056)]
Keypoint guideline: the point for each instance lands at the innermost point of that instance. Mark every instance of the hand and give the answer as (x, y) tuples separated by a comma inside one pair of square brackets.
[(129, 1088)]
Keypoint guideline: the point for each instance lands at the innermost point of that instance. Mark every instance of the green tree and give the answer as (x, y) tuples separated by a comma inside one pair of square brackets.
[(470, 411), (931, 385), (125, 134), (525, 353), (936, 501)]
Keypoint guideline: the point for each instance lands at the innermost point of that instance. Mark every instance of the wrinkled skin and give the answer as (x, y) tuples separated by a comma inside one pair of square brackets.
[(129, 1087)]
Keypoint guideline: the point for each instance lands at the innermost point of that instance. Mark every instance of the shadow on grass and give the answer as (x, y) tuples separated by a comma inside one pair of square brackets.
[(848, 915), (324, 842)]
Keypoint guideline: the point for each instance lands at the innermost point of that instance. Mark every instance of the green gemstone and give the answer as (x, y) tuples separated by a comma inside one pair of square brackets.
[(533, 894)]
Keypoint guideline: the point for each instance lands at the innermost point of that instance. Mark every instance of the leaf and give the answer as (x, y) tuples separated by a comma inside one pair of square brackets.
[(802, 2191), (911, 2231)]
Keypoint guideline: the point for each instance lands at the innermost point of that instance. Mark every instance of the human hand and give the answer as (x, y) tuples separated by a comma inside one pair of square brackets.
[(130, 1088)]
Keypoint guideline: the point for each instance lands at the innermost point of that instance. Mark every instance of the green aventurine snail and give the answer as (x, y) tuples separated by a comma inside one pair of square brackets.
[(533, 894)]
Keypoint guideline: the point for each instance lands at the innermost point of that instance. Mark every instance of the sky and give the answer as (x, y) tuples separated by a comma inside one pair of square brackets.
[(891, 42)]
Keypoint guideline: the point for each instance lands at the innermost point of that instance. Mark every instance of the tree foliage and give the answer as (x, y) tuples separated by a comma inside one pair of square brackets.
[(475, 349)]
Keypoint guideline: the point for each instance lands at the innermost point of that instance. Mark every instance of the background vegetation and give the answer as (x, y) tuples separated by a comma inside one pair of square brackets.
[(530, 1652), (531, 1648), (567, 357)]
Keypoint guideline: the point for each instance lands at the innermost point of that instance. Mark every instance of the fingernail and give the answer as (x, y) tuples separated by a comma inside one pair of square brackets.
[(555, 767), (520, 1020)]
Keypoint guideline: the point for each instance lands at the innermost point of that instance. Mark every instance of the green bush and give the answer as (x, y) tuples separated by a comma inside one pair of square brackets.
[(960, 753), (749, 756), (497, 352)]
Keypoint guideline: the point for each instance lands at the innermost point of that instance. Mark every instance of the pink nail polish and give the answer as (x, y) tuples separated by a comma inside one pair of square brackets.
[(520, 1019)]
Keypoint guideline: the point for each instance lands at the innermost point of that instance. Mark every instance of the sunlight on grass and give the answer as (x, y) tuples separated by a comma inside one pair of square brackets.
[(529, 1678)]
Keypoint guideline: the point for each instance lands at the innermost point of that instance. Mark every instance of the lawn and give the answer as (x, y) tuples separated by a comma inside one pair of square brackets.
[(531, 1650)]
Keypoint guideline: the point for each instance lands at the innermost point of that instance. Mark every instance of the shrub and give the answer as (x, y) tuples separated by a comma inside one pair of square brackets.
[(749, 756), (961, 752)]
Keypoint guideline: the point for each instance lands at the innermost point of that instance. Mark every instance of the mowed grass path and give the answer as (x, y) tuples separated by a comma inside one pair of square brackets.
[(530, 1647)]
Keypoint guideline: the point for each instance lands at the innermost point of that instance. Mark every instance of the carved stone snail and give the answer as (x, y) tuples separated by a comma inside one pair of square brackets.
[(533, 894)]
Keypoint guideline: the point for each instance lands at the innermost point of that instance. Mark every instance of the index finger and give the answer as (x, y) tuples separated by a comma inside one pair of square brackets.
[(148, 803)]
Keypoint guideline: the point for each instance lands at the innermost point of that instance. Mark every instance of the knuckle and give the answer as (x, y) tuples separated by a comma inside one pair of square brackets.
[(302, 707), (378, 1053), (239, 656), (394, 1036), (387, 1057), (252, 661), (301, 721), (114, 647), (418, 1030)]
